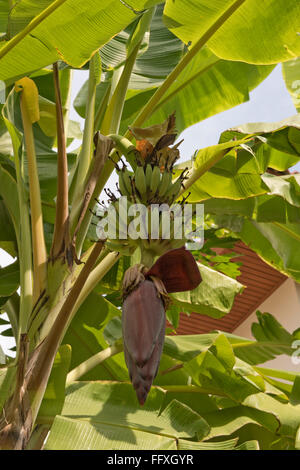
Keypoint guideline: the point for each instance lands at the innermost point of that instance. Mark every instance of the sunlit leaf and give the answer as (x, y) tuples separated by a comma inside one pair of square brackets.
[(267, 41)]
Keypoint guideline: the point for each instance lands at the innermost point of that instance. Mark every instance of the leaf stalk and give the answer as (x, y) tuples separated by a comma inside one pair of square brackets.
[(92, 362), (38, 239)]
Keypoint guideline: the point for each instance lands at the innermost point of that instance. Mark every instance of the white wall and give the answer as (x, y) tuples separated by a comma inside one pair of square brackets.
[(284, 304)]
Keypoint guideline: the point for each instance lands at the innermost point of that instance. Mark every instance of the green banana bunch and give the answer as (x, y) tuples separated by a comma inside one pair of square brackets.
[(157, 246), (147, 185), (148, 182)]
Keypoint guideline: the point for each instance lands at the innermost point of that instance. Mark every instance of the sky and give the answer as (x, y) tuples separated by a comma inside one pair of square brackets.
[(269, 102)]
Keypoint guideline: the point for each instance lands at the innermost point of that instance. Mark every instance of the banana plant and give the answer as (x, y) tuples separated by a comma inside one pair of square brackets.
[(154, 69)]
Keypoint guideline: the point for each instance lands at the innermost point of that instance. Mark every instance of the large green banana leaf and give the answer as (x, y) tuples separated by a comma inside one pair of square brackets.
[(271, 130), (277, 146), (278, 203), (207, 386), (238, 175), (8, 191), (162, 54), (94, 329), (211, 84), (156, 59), (185, 348), (48, 32), (291, 74), (275, 243), (104, 415), (116, 423), (4, 10), (256, 32), (68, 30), (9, 279)]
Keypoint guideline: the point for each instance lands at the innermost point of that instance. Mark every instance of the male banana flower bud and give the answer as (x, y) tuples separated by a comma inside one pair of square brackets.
[(144, 321), (145, 294)]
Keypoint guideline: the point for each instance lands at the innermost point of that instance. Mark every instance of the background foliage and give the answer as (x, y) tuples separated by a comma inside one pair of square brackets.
[(198, 58)]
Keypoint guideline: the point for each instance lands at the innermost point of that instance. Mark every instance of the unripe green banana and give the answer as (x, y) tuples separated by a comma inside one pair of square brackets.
[(122, 186), (165, 183), (122, 219), (124, 245), (125, 183), (127, 176), (174, 190), (140, 183), (155, 180), (148, 176)]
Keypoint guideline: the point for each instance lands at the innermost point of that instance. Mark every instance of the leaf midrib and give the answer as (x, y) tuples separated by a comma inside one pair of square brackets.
[(91, 420), (185, 84)]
